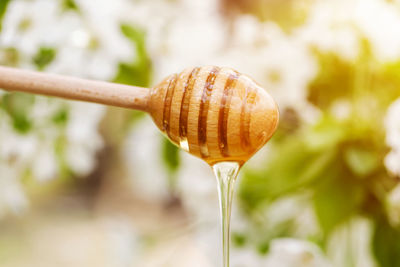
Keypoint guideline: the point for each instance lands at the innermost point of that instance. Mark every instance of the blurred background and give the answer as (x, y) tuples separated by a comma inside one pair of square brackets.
[(88, 185)]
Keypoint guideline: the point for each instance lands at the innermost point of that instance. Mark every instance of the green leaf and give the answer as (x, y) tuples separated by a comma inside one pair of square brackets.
[(17, 106), (287, 14), (3, 9), (325, 134), (290, 167), (132, 75), (170, 156), (263, 248), (10, 56), (136, 35), (61, 117), (361, 161), (43, 57), (136, 116), (239, 239), (139, 71), (336, 198), (365, 82), (334, 81), (386, 244), (70, 5), (295, 161)]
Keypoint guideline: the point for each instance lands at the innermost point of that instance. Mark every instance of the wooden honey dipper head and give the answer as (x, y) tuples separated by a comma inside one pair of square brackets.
[(214, 113)]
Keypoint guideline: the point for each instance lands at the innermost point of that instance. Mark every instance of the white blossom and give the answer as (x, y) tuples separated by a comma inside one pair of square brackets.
[(27, 28), (198, 188), (393, 206), (36, 149), (83, 137), (392, 126), (381, 30), (275, 63), (180, 33), (44, 166), (338, 26), (330, 28), (15, 147), (392, 162), (141, 148), (12, 196), (289, 252), (247, 256), (354, 238), (341, 109), (70, 34)]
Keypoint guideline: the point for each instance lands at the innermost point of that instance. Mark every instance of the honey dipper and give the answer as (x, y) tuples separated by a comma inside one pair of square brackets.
[(214, 113)]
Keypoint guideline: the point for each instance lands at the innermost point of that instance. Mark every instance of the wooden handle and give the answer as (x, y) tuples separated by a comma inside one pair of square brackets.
[(74, 88)]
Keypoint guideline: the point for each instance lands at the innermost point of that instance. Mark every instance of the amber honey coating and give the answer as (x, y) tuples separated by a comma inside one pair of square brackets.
[(218, 113)]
